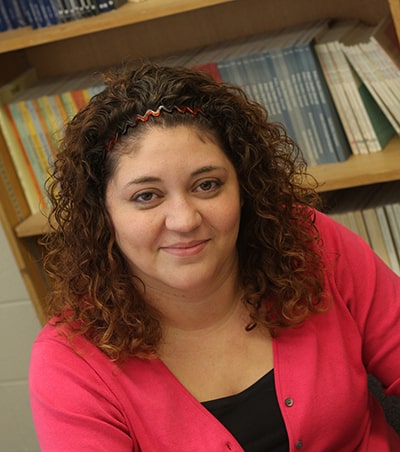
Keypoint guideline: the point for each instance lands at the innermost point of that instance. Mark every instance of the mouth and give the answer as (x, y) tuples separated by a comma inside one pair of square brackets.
[(185, 249)]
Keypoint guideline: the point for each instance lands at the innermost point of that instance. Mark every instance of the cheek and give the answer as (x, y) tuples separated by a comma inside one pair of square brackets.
[(135, 232), (228, 218)]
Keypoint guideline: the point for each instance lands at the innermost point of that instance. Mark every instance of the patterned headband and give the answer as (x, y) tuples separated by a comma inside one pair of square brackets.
[(149, 113)]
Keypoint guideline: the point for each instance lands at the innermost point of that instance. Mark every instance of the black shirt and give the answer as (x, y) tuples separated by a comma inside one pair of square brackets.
[(253, 417)]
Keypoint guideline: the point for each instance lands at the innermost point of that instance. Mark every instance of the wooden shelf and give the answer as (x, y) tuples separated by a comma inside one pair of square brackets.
[(131, 13), (34, 225), (358, 170)]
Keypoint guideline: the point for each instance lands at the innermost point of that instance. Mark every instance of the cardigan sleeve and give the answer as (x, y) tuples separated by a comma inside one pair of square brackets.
[(73, 408), (371, 291)]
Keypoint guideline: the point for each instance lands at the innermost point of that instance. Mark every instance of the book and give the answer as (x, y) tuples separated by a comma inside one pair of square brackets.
[(281, 71), (75, 94), (28, 135), (257, 66), (50, 12), (392, 212), (330, 130), (14, 14), (5, 22), (348, 207), (26, 12), (365, 124), (380, 78), (39, 18), (30, 128), (382, 240), (114, 4), (370, 212), (23, 168)]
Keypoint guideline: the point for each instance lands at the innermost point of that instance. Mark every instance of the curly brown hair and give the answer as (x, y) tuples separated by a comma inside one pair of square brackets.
[(278, 244)]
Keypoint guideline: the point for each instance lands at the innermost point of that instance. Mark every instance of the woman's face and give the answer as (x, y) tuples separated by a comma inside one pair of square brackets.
[(175, 205)]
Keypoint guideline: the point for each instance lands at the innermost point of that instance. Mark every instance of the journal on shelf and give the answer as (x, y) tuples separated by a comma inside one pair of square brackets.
[(373, 213), (43, 13)]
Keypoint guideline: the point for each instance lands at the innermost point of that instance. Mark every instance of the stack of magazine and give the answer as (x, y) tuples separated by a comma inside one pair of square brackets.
[(361, 65), (42, 13), (373, 213)]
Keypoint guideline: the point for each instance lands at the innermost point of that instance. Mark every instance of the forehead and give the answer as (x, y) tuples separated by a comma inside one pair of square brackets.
[(181, 143)]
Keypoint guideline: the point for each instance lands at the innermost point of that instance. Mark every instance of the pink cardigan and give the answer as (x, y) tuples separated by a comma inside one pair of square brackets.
[(83, 402)]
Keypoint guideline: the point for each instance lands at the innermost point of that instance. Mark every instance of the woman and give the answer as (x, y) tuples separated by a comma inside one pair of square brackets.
[(200, 302)]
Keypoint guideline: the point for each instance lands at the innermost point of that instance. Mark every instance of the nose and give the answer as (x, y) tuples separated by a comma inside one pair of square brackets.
[(182, 216)]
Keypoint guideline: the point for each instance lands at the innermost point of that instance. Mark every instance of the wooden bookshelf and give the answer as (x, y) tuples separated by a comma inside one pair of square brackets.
[(151, 28), (128, 14), (383, 166)]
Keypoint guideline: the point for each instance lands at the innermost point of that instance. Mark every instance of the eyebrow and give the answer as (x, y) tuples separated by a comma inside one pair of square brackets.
[(150, 179)]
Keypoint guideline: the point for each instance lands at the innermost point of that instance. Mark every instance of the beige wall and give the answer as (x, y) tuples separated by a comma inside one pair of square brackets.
[(18, 328)]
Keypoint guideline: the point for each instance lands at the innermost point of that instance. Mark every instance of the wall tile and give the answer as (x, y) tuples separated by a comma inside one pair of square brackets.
[(17, 433), (18, 329), (11, 283)]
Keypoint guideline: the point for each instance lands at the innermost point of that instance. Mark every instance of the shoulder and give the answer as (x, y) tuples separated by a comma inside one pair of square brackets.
[(58, 355)]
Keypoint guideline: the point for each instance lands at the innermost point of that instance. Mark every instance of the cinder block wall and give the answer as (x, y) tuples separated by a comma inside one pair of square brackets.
[(18, 328)]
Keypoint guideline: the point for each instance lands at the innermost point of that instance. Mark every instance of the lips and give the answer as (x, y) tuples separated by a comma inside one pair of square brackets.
[(185, 249)]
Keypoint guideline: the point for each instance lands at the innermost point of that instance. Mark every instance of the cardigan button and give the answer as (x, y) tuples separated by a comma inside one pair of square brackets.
[(228, 445), (289, 402), (299, 444)]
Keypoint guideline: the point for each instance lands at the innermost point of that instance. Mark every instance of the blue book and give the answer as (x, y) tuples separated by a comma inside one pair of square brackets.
[(324, 147), (26, 12), (49, 10), (303, 133), (332, 127), (38, 18), (5, 23), (12, 14)]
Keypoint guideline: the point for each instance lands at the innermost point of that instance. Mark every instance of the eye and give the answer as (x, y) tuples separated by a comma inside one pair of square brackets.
[(207, 186), (146, 198)]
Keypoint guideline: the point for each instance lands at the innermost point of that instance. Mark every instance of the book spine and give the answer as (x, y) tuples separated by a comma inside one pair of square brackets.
[(386, 74), (102, 6), (303, 132), (329, 116), (388, 239), (376, 238), (12, 14), (27, 13), (50, 11), (56, 118), (45, 130), (363, 69), (343, 107), (35, 135), (80, 98), (355, 108), (304, 95), (21, 130), (50, 124), (69, 104), (393, 219), (114, 4), (21, 163), (92, 6), (5, 23), (38, 18)]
